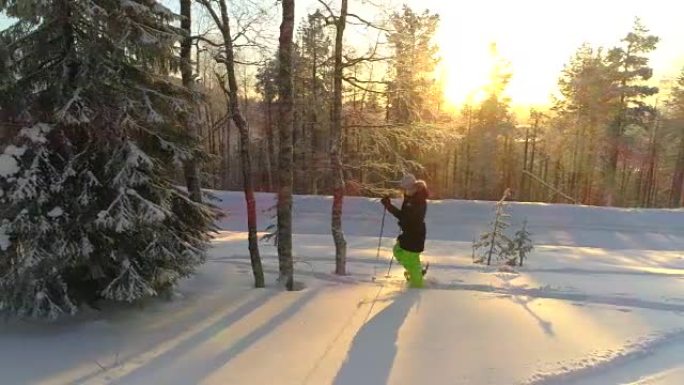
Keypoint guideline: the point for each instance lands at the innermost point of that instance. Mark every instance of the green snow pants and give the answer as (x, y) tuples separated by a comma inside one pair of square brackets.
[(411, 262)]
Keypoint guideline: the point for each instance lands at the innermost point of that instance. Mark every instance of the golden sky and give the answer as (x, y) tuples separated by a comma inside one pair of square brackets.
[(538, 37)]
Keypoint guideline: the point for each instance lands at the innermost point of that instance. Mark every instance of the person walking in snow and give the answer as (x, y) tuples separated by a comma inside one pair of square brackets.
[(411, 216)]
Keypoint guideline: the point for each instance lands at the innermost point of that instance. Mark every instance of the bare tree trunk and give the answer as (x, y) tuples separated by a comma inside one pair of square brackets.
[(467, 177), (192, 178), (532, 155), (241, 123), (613, 158), (228, 155), (313, 125), (678, 178), (269, 167), (557, 178), (623, 180), (523, 194), (335, 148), (575, 160), (508, 165), (454, 174), (653, 155), (579, 177), (271, 144), (285, 127)]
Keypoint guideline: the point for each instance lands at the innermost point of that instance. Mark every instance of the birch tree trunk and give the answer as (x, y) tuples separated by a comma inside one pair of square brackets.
[(335, 148), (223, 22), (285, 128)]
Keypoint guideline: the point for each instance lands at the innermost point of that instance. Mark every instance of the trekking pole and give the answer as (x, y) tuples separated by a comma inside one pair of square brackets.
[(390, 266), (377, 256)]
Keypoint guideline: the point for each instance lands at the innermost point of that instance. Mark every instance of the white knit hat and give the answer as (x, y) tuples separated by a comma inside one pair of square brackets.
[(407, 182)]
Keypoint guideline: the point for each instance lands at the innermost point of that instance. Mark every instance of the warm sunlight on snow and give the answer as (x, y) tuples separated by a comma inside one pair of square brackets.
[(341, 192)]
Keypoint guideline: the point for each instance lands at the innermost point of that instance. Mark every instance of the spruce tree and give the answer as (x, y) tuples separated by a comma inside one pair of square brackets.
[(88, 205), (676, 139), (521, 246), (413, 91), (313, 70), (584, 110), (495, 242), (630, 64)]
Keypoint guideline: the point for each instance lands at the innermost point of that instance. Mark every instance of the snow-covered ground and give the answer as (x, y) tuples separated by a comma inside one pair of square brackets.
[(600, 301)]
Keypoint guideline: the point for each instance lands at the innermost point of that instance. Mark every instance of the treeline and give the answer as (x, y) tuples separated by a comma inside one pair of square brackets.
[(611, 138)]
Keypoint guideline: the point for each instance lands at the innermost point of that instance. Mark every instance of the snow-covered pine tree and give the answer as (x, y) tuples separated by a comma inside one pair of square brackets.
[(87, 204), (495, 241), (521, 245)]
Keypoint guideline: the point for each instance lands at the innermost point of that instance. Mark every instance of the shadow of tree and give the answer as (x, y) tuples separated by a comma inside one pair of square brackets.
[(371, 356), (546, 326), (202, 369), (524, 301)]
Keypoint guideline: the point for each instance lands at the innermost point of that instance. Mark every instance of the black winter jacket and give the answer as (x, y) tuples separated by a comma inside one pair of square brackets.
[(411, 218)]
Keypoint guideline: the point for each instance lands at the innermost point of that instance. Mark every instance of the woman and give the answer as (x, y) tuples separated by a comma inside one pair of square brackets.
[(411, 216)]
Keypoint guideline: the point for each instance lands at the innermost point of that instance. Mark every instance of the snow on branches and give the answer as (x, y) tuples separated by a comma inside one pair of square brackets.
[(496, 243), (87, 205)]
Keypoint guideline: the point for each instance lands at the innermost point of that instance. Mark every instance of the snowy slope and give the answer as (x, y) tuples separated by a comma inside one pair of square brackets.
[(600, 302), (453, 220)]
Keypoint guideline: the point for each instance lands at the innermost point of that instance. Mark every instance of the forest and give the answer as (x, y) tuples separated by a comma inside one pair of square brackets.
[(611, 136), (118, 118)]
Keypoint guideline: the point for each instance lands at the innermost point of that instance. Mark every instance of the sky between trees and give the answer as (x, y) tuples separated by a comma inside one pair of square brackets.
[(537, 37)]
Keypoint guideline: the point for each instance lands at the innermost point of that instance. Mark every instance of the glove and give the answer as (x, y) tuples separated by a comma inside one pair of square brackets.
[(386, 201)]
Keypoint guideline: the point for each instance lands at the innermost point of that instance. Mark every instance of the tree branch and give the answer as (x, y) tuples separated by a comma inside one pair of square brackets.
[(356, 80), (208, 41), (355, 61), (353, 83), (367, 23), (214, 15), (327, 7)]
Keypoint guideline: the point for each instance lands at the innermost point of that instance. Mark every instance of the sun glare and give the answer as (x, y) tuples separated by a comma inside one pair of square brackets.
[(465, 78), (537, 41), (467, 71)]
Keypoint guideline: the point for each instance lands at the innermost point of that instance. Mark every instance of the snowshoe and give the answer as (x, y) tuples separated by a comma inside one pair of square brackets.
[(424, 271)]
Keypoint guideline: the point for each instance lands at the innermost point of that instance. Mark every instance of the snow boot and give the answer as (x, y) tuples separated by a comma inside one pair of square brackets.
[(407, 275)]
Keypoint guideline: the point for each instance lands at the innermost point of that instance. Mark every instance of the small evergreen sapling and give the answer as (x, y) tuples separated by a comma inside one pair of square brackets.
[(271, 231), (521, 245), (495, 242)]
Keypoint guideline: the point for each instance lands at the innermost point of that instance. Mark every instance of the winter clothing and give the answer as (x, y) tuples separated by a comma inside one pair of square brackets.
[(411, 262), (411, 217), (407, 182)]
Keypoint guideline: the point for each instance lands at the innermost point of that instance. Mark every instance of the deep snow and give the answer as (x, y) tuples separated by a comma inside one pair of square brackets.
[(601, 301)]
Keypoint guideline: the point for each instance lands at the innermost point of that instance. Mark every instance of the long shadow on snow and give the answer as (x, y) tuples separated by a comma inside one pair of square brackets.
[(524, 302), (245, 342), (546, 326), (194, 340), (204, 368), (560, 295), (515, 291), (437, 265), (532, 292), (371, 356)]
